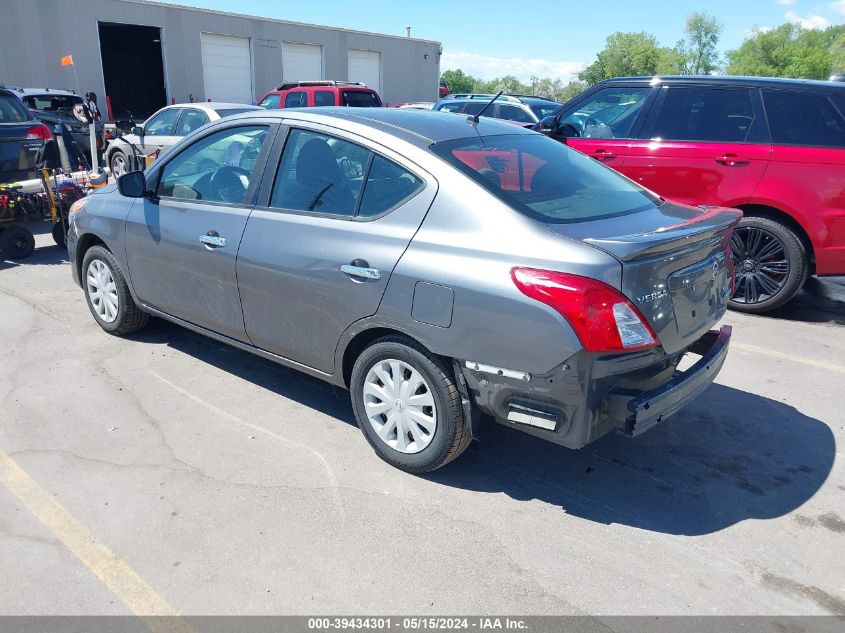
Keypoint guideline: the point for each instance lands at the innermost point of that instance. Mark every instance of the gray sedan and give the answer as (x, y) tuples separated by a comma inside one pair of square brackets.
[(438, 267)]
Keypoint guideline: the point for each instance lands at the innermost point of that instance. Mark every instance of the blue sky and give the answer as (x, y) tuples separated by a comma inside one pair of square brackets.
[(546, 38)]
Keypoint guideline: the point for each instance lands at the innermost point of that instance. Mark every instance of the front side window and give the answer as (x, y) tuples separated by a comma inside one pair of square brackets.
[(609, 113), (323, 98), (161, 124), (545, 179), (296, 99), (360, 99), (215, 168), (270, 102), (451, 107), (798, 118), (715, 115), (190, 120)]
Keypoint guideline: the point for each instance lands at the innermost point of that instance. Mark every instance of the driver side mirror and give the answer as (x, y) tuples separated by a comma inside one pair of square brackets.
[(133, 185), (548, 126), (137, 130)]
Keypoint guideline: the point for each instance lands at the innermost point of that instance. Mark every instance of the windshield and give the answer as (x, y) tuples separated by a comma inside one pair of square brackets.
[(52, 103), (544, 179), (544, 110)]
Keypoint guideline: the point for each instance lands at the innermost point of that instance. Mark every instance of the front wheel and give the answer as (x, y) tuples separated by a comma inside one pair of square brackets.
[(107, 294), (408, 406), (117, 164), (770, 265)]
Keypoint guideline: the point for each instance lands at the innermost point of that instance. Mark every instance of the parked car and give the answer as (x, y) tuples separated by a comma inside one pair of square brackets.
[(164, 129), (21, 138), (524, 110), (444, 89), (310, 94), (774, 148), (55, 107), (414, 105), (433, 267)]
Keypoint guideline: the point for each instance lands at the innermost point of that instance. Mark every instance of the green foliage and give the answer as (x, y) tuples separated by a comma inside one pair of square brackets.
[(698, 52), (790, 51), (625, 55), (458, 81)]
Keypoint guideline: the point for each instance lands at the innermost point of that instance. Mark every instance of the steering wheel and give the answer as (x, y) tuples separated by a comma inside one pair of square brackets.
[(593, 128), (229, 179)]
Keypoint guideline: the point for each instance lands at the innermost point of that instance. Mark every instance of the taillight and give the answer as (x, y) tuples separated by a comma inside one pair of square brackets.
[(38, 133), (603, 319)]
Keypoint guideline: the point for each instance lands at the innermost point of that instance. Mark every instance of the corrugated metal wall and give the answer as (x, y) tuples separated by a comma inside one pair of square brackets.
[(37, 33)]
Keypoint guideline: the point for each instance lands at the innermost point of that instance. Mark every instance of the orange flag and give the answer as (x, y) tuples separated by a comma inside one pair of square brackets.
[(67, 60)]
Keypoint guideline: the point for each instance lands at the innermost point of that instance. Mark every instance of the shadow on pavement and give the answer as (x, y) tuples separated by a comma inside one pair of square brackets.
[(821, 300), (728, 457), (47, 255)]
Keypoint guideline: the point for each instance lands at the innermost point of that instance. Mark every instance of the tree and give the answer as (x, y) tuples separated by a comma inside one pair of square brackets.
[(698, 53), (458, 81), (625, 55), (790, 51)]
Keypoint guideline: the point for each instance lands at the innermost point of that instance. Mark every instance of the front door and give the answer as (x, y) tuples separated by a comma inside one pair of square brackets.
[(317, 254), (182, 246), (158, 134), (603, 125), (702, 145)]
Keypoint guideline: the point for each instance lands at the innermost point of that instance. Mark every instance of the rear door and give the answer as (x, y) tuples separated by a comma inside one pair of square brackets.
[(181, 247), (702, 145), (318, 252), (605, 123)]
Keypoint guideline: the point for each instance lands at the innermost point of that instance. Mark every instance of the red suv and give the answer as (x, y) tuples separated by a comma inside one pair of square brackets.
[(309, 94), (774, 148)]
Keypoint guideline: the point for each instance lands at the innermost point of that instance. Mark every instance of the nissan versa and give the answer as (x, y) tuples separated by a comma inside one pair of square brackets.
[(438, 267)]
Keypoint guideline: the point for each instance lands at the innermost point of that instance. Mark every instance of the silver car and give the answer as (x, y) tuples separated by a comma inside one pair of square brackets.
[(164, 129), (438, 268)]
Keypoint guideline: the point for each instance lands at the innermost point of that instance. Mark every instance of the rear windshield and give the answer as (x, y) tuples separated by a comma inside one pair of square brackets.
[(544, 179), (360, 99), (231, 111), (12, 110), (52, 103)]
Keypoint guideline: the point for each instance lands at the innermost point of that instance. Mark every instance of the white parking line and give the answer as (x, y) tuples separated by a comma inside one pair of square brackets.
[(790, 357)]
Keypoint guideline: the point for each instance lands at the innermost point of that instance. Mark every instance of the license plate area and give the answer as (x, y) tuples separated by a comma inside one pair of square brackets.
[(700, 294)]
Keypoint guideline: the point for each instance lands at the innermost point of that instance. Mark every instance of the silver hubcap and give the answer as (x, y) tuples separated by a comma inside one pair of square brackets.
[(102, 291), (400, 406), (118, 166)]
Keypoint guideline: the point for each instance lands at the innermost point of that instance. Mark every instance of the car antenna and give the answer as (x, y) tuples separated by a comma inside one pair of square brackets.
[(473, 119)]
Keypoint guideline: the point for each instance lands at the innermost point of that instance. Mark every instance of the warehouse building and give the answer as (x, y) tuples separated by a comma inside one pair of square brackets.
[(143, 54)]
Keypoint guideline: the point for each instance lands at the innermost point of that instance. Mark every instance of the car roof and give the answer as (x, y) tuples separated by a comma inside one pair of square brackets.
[(728, 80), (419, 127)]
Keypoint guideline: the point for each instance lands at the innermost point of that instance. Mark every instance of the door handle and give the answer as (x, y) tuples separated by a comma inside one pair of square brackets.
[(731, 160), (213, 240), (603, 154), (361, 271)]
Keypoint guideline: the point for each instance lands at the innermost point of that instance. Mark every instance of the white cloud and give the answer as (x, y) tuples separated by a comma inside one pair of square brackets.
[(485, 67), (757, 30), (839, 6), (809, 21)]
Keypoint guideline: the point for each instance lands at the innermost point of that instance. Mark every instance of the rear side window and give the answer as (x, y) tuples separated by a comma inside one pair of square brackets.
[(297, 99), (270, 102), (545, 179), (798, 118), (12, 110), (360, 99), (388, 185), (513, 113), (323, 98), (708, 114)]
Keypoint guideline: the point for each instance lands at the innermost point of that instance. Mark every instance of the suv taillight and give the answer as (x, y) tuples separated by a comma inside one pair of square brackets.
[(38, 133), (602, 317)]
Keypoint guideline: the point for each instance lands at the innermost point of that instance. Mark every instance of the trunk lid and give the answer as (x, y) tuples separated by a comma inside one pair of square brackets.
[(676, 265), (17, 154)]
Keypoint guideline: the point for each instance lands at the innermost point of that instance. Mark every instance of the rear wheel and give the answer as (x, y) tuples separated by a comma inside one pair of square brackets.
[(770, 265), (16, 243), (59, 234), (408, 406), (107, 294)]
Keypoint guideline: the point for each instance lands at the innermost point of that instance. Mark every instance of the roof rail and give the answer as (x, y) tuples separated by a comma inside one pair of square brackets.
[(519, 96), (287, 85), (481, 96)]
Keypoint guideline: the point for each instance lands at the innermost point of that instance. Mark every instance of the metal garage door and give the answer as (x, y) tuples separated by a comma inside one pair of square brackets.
[(365, 66), (302, 62), (226, 68)]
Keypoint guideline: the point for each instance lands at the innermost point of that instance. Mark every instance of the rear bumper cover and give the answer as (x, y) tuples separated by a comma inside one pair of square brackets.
[(642, 411)]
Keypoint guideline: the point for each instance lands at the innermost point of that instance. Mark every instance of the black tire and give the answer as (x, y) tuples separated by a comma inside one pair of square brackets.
[(116, 158), (16, 243), (451, 436), (129, 317), (59, 234), (793, 252)]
